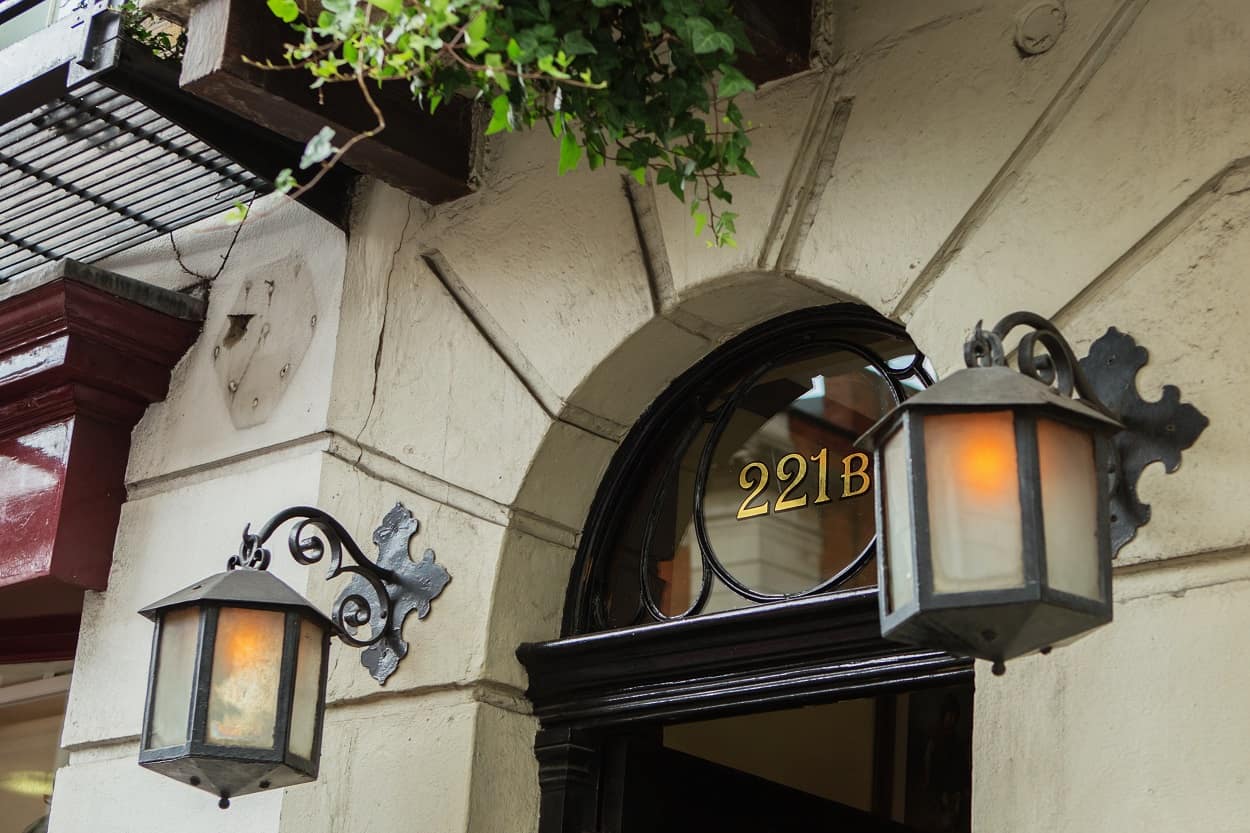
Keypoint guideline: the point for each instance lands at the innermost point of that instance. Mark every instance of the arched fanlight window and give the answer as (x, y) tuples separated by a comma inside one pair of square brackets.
[(741, 485)]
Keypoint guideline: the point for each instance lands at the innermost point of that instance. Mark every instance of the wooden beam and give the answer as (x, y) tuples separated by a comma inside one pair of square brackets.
[(16, 695), (781, 32), (430, 157), (36, 639), (144, 78)]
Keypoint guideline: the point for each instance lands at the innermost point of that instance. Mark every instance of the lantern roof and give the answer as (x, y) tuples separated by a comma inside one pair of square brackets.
[(990, 388), (242, 587)]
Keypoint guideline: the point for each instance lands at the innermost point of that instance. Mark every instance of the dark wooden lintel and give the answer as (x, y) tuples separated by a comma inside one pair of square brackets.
[(813, 650), (427, 156)]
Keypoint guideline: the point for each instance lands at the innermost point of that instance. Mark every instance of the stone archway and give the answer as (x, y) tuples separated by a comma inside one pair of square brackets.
[(564, 473)]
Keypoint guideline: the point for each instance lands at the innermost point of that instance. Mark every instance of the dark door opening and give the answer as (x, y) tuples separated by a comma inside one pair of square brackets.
[(874, 765)]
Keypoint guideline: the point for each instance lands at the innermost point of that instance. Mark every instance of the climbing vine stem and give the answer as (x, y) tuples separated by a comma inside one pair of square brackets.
[(647, 85)]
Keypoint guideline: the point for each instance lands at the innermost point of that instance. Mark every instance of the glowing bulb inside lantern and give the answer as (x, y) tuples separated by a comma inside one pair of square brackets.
[(975, 531), (243, 700), (986, 465)]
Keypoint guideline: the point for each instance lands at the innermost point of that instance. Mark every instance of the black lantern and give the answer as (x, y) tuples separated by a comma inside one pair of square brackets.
[(236, 689), (993, 503), (237, 682)]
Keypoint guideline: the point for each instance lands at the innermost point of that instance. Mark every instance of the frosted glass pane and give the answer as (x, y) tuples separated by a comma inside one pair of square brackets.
[(175, 672), (247, 659), (900, 559), (307, 690), (1069, 508), (974, 501)]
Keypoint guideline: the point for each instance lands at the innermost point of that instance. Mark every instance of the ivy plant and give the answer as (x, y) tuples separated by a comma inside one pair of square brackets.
[(647, 85), (165, 41)]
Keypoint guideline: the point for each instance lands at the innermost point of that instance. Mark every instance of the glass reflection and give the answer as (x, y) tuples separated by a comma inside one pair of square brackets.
[(789, 500)]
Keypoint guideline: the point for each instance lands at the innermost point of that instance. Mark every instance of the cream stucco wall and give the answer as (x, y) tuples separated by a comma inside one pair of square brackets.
[(480, 361), (192, 481)]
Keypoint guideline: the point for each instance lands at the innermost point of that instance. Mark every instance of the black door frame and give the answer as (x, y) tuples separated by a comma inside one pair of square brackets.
[(586, 690)]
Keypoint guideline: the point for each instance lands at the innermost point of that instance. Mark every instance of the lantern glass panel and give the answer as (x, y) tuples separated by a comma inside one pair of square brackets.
[(972, 475), (900, 559), (307, 690), (175, 676), (1069, 508), (247, 660)]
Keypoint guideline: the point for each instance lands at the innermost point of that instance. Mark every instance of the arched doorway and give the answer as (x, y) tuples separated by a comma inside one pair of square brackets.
[(721, 665)]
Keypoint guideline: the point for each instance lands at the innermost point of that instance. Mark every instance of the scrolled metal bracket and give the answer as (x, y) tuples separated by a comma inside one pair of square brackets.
[(1153, 431), (1106, 379), (371, 610)]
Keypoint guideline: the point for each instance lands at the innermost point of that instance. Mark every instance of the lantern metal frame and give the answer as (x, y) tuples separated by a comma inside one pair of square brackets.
[(1126, 438), (186, 761), (369, 614), (899, 622)]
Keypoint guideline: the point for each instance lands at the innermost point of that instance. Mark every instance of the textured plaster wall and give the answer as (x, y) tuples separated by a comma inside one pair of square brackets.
[(193, 480), (937, 176), (480, 361)]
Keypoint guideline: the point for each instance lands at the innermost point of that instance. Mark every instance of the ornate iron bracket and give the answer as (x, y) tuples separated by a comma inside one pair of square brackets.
[(371, 610), (1153, 431), (1107, 380)]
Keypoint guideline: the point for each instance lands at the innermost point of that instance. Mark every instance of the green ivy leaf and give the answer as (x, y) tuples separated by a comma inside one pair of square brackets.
[(501, 115), (733, 82), (285, 181), (547, 63), (236, 214), (475, 36), (285, 10), (675, 182), (700, 220), (318, 149), (391, 7), (706, 38), (575, 43), (570, 152)]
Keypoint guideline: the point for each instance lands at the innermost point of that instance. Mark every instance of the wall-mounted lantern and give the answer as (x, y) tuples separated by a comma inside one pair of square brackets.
[(237, 681), (1002, 498), (237, 685)]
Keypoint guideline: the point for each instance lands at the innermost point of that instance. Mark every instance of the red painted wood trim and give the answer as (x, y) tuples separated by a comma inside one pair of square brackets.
[(39, 638), (82, 354)]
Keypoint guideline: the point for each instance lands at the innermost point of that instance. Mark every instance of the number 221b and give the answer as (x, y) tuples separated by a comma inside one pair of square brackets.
[(791, 471)]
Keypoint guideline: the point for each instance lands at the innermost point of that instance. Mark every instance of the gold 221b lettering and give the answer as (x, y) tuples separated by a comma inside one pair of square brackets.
[(791, 472)]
